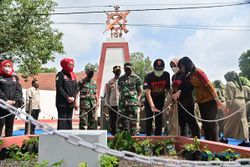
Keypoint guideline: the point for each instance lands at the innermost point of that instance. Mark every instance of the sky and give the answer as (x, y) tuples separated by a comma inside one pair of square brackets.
[(215, 52)]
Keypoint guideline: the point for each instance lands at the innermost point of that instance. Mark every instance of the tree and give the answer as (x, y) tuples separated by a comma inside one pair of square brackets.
[(244, 64), (141, 65), (26, 35), (41, 70)]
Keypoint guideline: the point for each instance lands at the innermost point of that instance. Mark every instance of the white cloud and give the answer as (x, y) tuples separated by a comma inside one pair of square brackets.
[(214, 51)]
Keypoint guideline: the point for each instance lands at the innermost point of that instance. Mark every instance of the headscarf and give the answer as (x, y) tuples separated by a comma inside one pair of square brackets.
[(65, 66), (233, 77), (188, 64), (3, 72), (218, 84), (175, 62)]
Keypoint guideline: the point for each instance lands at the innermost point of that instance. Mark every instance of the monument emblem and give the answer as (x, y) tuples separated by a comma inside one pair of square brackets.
[(116, 22)]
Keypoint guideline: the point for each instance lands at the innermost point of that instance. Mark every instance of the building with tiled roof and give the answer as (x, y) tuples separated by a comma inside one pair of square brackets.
[(47, 80)]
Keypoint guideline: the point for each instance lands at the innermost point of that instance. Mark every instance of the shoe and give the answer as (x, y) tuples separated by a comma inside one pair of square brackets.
[(222, 140), (244, 144)]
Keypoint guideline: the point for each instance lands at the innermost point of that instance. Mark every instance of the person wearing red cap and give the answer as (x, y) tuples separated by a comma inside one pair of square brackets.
[(11, 92), (156, 84), (66, 94)]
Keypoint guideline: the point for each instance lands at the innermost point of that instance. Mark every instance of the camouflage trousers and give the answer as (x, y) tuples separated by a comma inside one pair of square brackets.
[(124, 124), (87, 116)]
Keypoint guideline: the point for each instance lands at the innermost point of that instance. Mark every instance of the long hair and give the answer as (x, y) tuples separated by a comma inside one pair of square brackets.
[(188, 64)]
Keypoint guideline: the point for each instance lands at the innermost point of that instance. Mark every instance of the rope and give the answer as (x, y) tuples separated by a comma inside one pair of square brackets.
[(80, 116), (215, 120), (11, 113), (141, 119)]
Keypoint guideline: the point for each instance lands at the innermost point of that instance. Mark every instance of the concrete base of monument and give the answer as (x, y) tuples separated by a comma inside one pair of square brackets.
[(53, 148)]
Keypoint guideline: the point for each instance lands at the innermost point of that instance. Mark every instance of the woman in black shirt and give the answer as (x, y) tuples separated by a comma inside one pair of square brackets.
[(66, 94), (181, 83), (11, 92)]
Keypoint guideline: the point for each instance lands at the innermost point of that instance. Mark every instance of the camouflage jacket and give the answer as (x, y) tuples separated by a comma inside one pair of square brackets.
[(87, 89), (129, 86)]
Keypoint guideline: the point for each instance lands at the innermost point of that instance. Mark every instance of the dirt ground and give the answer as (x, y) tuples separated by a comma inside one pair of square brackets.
[(13, 163)]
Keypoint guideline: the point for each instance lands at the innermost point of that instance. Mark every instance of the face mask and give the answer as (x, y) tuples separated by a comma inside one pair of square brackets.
[(128, 71), (36, 85), (158, 73), (90, 74), (175, 69), (7, 70), (117, 73)]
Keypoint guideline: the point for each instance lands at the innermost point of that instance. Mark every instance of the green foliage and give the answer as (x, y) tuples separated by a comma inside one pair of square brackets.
[(46, 164), (1, 142), (30, 146), (41, 70), (228, 155), (169, 146), (245, 81), (109, 161), (158, 148), (137, 148), (26, 35), (244, 64), (83, 164), (147, 147), (122, 141), (16, 154), (207, 155), (141, 65), (192, 147)]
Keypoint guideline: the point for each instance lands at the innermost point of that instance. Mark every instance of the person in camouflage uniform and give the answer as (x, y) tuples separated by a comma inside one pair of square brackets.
[(130, 88), (88, 100)]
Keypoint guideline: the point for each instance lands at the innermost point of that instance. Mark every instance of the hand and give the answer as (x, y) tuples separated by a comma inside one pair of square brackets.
[(225, 110), (76, 106), (11, 102), (154, 109), (97, 104), (176, 96), (220, 105), (71, 99)]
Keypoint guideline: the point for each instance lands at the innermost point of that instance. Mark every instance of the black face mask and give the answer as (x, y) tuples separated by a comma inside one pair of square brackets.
[(90, 74), (128, 71), (36, 85), (117, 73)]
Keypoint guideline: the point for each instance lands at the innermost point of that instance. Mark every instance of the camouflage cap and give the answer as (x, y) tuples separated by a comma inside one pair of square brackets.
[(91, 67)]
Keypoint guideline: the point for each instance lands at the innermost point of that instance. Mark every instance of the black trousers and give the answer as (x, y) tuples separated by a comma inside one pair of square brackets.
[(113, 119), (8, 122), (35, 115), (208, 111), (185, 119), (158, 121), (64, 118)]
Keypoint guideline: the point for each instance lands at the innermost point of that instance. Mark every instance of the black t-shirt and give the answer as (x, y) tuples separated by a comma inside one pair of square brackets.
[(181, 82), (158, 86)]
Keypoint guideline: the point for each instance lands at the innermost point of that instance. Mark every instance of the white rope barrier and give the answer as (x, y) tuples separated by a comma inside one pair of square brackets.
[(141, 119), (215, 120)]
